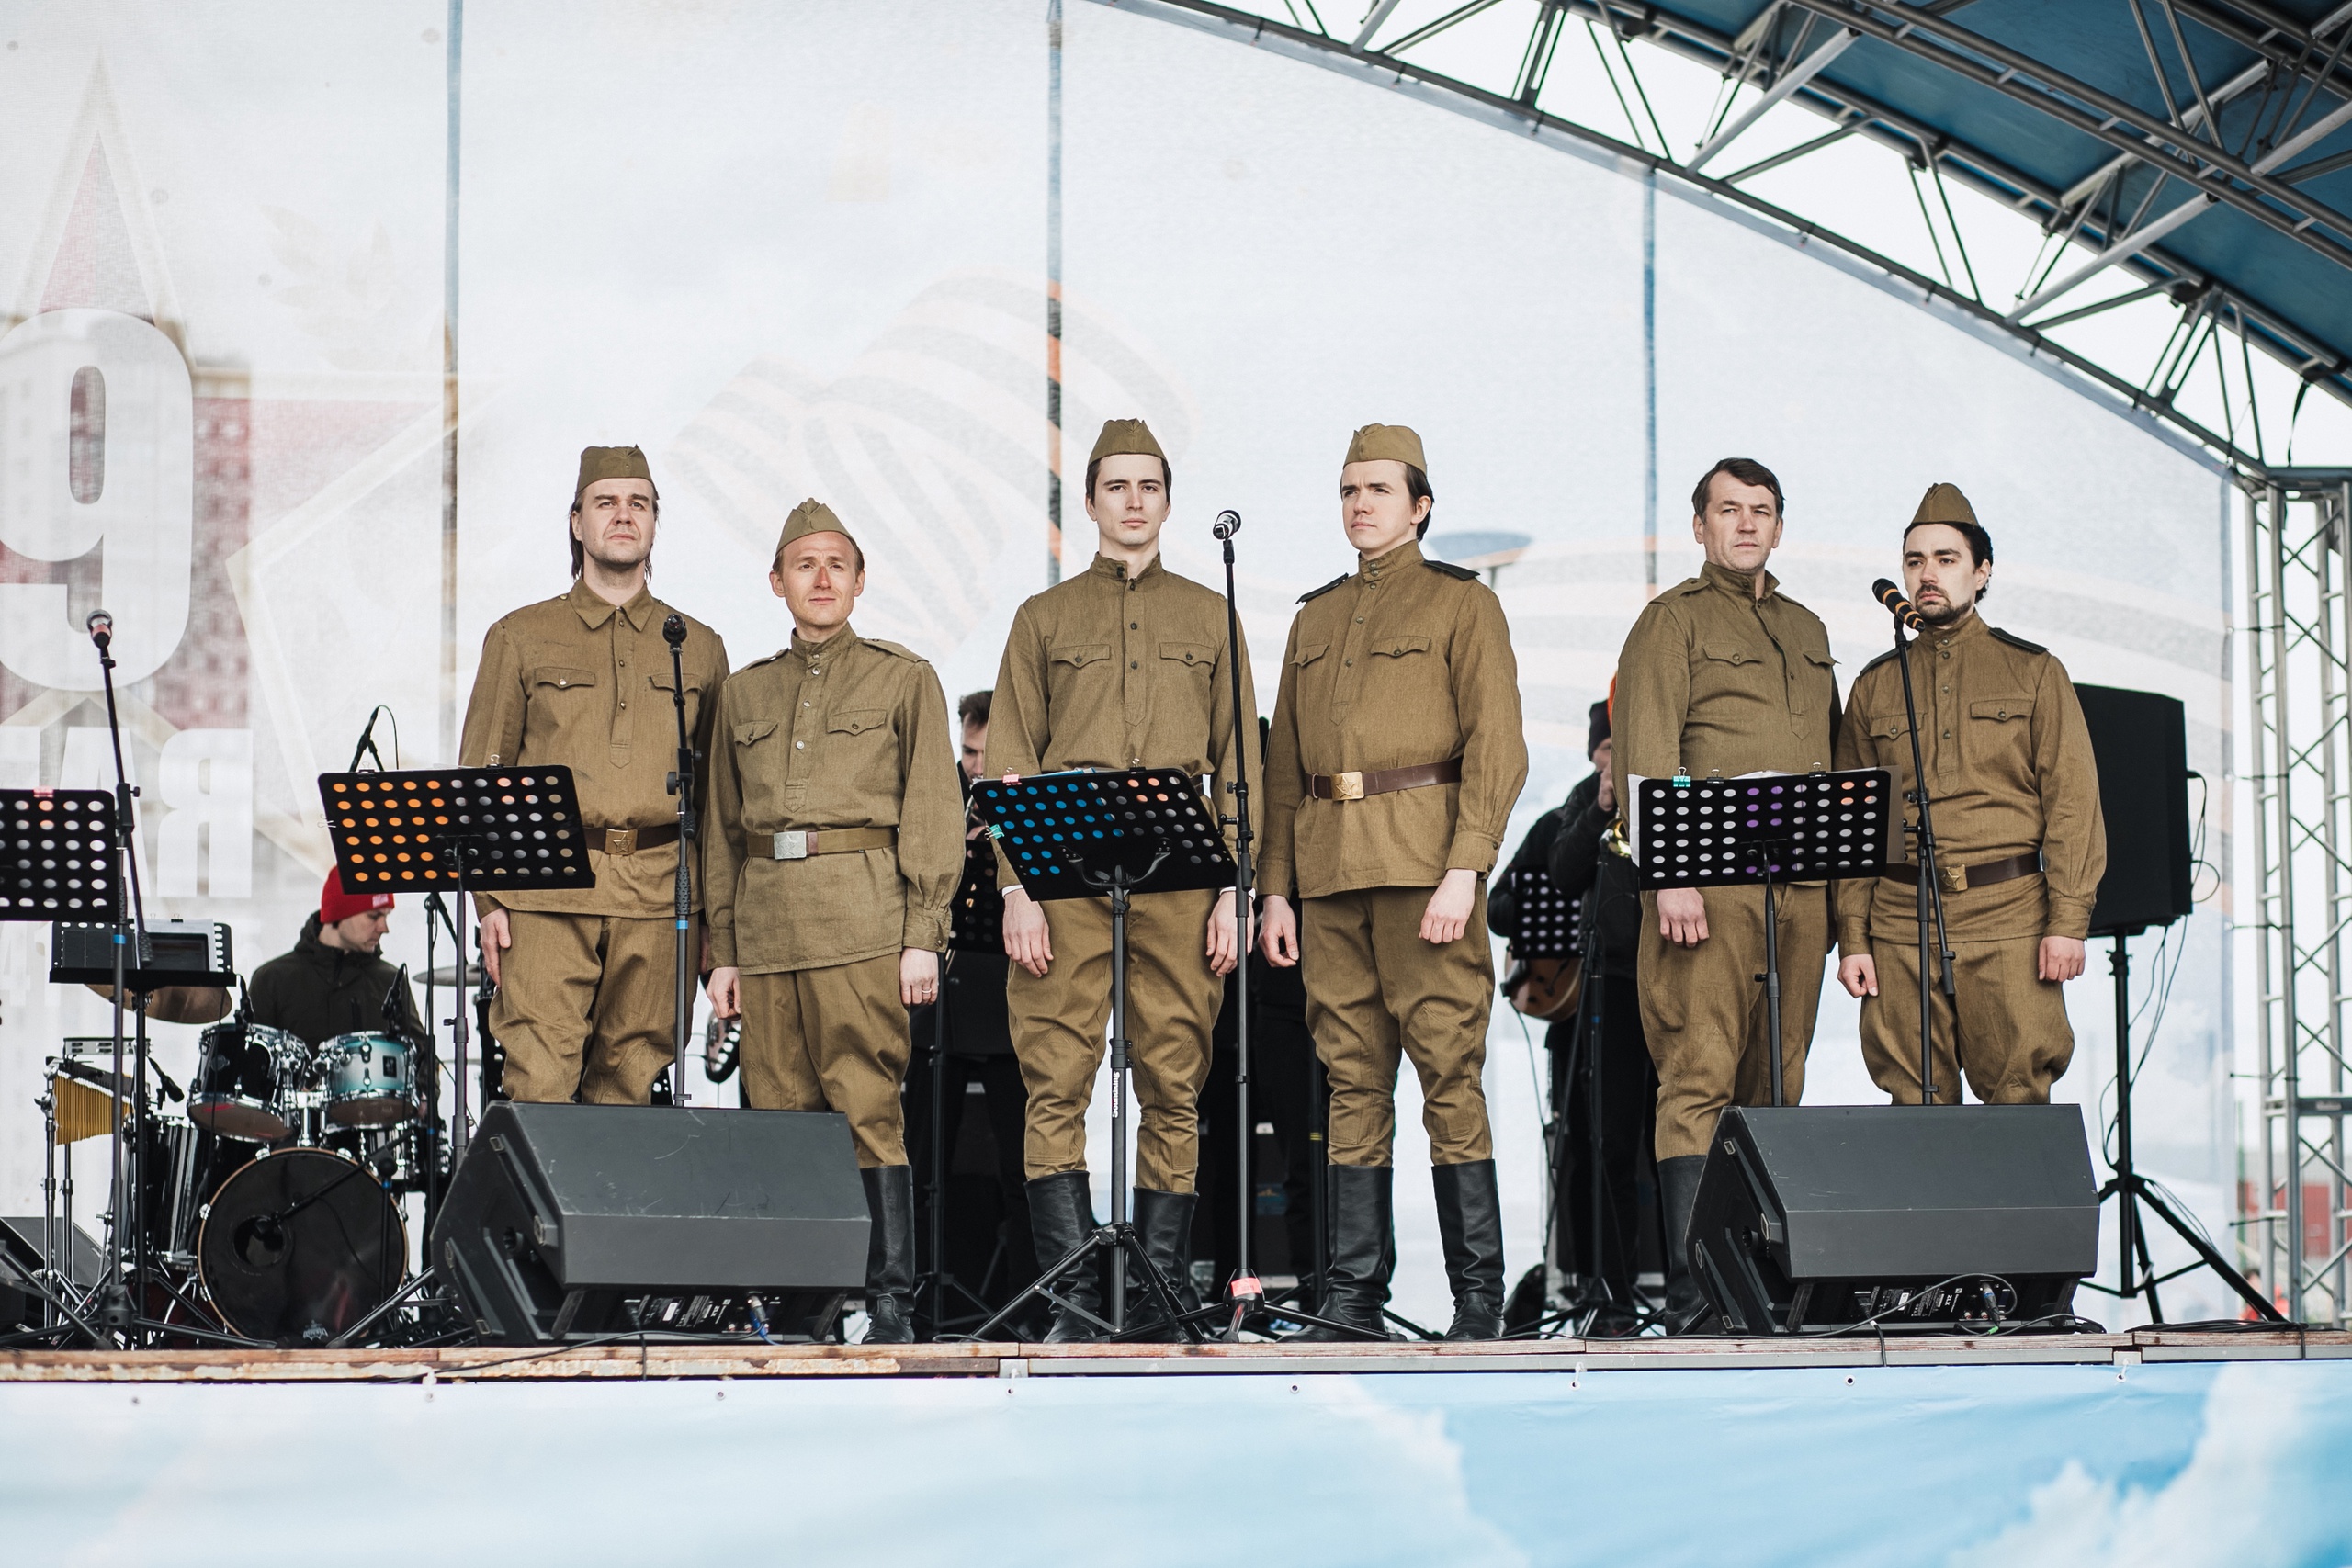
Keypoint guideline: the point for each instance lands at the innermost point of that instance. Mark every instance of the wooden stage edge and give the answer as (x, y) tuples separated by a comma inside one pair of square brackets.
[(630, 1361)]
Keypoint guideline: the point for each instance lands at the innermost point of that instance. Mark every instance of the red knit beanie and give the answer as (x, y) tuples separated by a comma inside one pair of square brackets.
[(336, 904)]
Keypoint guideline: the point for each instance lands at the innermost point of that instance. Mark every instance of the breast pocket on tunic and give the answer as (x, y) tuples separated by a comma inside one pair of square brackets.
[(662, 684), (1999, 728), (1814, 689), (1197, 655)]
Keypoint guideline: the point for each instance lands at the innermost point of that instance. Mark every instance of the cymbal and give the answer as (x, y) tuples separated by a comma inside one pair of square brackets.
[(182, 1004), (447, 976)]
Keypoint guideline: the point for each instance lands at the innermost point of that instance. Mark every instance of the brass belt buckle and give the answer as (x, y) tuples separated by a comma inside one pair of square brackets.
[(1346, 787), (792, 844), (620, 840), (1955, 877)]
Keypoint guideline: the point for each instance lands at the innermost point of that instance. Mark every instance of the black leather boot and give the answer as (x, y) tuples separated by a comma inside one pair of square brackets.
[(1061, 1216), (1164, 1223), (890, 1255), (1355, 1287), (1678, 1189), (1470, 1223)]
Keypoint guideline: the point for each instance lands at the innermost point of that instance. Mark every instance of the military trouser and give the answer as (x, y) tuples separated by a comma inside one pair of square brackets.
[(832, 1039), (1377, 992), (2014, 1037), (586, 1006), (1703, 1008), (1059, 1030)]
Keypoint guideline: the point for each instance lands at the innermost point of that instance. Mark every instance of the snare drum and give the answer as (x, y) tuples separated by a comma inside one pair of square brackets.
[(236, 1091), (371, 1080)]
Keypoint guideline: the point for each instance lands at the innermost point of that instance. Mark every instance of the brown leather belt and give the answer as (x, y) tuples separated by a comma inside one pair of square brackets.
[(629, 840), (800, 843), (1960, 879), (1355, 786)]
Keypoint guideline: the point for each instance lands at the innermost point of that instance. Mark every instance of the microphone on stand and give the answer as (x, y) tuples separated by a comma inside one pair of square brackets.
[(101, 629), (1888, 595), (367, 743), (1227, 525), (673, 630)]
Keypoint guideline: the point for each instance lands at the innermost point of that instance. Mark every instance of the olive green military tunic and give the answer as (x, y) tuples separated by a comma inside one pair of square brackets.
[(585, 1005), (2010, 774), (1111, 670), (833, 843), (1403, 663), (1713, 681)]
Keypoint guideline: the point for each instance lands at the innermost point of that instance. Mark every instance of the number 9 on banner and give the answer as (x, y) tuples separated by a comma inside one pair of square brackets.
[(98, 451)]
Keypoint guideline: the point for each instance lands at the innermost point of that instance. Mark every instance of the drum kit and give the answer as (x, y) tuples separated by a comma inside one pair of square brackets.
[(272, 1205)]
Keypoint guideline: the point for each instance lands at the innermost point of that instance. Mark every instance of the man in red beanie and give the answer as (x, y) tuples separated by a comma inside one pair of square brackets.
[(332, 982)]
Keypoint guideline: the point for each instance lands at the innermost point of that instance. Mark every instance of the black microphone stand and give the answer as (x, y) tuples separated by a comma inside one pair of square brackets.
[(120, 1310), (1929, 901), (682, 785), (1243, 1290)]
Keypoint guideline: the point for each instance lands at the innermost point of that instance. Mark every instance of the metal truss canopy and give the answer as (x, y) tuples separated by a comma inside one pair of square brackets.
[(2200, 148)]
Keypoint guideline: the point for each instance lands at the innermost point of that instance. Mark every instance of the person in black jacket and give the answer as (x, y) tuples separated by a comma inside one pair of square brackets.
[(1587, 860), (332, 982)]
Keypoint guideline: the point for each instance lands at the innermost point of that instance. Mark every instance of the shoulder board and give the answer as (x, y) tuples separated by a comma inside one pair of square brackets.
[(1318, 593), (900, 649), (755, 663), (1882, 659), (1462, 573), (2016, 641)]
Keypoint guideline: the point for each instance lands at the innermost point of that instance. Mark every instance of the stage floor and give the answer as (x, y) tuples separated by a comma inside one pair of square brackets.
[(632, 1361)]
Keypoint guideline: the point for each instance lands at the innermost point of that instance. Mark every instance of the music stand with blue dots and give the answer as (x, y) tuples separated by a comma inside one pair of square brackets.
[(1772, 829), (1092, 834)]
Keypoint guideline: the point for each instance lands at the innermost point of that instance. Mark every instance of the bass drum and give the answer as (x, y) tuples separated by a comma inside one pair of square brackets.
[(299, 1245)]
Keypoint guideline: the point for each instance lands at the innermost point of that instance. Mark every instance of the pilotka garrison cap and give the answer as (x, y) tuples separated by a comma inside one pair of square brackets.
[(1125, 437), (1395, 442), (611, 463), (811, 516), (1944, 503)]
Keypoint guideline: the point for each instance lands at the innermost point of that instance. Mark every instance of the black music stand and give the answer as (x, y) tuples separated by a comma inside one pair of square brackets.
[(1082, 835), (1768, 828), (474, 829)]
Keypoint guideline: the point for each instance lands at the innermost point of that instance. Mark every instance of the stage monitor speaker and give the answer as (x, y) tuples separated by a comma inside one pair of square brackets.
[(1813, 1216), (2142, 743), (576, 1222)]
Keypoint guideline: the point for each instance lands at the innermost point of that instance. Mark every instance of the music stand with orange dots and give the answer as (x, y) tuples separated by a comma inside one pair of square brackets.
[(473, 829), (1769, 828)]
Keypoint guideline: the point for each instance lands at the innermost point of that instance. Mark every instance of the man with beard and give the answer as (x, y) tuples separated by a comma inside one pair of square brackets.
[(332, 982), (2019, 840)]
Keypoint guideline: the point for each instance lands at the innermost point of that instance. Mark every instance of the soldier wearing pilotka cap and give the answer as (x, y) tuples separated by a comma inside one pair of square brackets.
[(1122, 666), (585, 1000), (1394, 758), (834, 844), (2020, 837)]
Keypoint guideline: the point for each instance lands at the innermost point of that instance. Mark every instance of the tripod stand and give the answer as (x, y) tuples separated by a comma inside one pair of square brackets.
[(2135, 1274)]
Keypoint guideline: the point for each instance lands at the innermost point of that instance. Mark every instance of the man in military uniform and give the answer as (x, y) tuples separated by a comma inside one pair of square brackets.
[(1121, 667), (2018, 836), (585, 977), (1394, 758), (836, 839), (1722, 675)]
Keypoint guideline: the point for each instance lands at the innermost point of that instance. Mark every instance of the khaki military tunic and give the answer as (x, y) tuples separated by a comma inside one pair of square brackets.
[(1715, 681), (1404, 662), (584, 1004), (1109, 670), (2010, 772), (846, 735)]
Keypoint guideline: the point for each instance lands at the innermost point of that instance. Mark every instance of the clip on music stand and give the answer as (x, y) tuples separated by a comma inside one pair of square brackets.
[(1082, 835), (1767, 828), (475, 829), (57, 862)]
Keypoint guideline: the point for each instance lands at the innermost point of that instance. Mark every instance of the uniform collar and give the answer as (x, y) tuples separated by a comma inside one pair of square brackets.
[(1403, 556), (1972, 627), (1116, 571), (596, 609), (809, 652), (1736, 583)]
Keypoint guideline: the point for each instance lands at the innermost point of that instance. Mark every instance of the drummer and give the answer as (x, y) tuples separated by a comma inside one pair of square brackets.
[(334, 982)]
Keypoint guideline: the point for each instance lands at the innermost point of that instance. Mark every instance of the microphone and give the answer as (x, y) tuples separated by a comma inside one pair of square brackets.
[(101, 627), (1227, 525), (673, 630), (1888, 595), (366, 742)]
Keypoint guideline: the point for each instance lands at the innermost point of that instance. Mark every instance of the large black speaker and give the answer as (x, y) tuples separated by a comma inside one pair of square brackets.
[(573, 1221), (2142, 743), (1819, 1215)]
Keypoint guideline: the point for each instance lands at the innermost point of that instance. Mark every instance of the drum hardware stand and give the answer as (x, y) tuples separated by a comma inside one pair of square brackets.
[(682, 785), (1929, 901), (384, 1309), (2135, 1274), (1118, 1239)]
